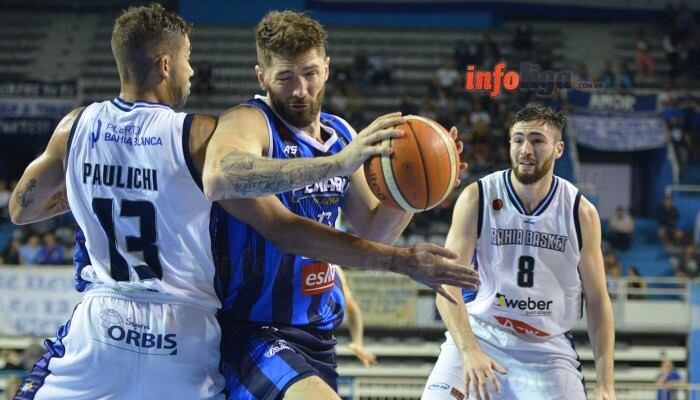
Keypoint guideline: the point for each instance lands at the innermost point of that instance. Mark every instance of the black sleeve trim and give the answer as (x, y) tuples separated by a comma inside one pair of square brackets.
[(186, 151), (70, 138), (480, 221), (577, 223)]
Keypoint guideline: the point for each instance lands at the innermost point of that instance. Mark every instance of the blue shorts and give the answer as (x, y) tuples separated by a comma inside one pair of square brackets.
[(260, 362)]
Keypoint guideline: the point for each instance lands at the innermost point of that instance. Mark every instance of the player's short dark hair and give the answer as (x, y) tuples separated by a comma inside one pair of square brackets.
[(536, 112), (142, 32), (288, 34)]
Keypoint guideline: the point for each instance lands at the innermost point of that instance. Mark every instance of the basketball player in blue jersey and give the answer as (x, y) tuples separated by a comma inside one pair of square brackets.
[(280, 309), (536, 242), (130, 170)]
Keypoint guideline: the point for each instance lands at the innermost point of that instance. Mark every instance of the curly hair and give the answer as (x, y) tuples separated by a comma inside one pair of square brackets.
[(535, 112), (288, 34), (142, 32)]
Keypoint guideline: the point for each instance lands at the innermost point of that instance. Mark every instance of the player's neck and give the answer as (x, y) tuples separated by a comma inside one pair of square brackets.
[(532, 195), (314, 130), (131, 93)]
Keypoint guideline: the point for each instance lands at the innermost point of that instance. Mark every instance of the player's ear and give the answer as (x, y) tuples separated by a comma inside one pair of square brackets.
[(559, 149), (327, 63), (260, 74), (163, 64)]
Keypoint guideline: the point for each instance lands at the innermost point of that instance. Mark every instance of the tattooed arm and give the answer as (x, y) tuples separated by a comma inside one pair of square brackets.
[(235, 167), (41, 191)]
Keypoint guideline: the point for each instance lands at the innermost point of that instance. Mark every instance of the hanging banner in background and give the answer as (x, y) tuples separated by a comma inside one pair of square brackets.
[(615, 122), (35, 301), (35, 108)]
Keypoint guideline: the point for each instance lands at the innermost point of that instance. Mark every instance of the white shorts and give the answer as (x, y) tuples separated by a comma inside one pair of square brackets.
[(130, 346), (536, 370)]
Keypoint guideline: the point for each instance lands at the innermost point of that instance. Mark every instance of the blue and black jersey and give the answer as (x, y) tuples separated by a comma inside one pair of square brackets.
[(265, 285)]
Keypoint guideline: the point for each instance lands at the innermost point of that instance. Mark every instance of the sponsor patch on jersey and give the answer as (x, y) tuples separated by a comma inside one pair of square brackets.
[(457, 394), (276, 347), (438, 386), (131, 335), (520, 327), (497, 204), (331, 188), (530, 306), (317, 278)]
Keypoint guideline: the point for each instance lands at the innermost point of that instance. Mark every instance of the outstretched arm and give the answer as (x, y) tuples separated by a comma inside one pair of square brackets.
[(477, 367), (41, 191), (235, 167), (601, 327), (428, 264)]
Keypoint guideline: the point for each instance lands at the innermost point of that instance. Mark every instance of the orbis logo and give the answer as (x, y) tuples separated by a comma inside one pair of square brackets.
[(114, 328)]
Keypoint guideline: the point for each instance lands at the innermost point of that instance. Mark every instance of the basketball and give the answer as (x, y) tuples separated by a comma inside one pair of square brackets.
[(421, 172)]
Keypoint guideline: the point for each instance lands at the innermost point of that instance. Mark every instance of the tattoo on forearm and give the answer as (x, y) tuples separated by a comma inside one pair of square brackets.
[(250, 175), (23, 196), (58, 202)]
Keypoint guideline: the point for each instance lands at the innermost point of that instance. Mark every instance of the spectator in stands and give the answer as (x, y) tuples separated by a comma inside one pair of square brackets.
[(487, 52), (464, 54), (381, 68), (479, 116), (4, 201), (447, 78), (673, 56), (665, 96), (692, 46), (668, 379), (361, 67), (11, 254), (13, 360), (342, 76), (680, 140), (544, 56), (625, 77), (52, 253), (523, 42), (338, 100), (636, 285), (644, 63), (685, 21), (613, 273), (582, 75), (202, 80), (29, 252), (668, 221), (427, 109), (408, 106), (607, 77), (622, 227), (687, 264)]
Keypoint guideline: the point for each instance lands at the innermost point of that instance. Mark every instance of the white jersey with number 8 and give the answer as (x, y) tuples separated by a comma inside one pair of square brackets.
[(528, 263)]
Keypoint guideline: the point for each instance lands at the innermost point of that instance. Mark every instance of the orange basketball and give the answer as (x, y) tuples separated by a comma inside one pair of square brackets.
[(421, 172)]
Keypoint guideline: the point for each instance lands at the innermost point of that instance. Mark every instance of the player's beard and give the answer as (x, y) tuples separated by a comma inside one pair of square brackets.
[(528, 178), (299, 119)]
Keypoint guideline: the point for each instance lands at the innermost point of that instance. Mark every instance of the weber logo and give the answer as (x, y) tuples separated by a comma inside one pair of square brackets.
[(317, 278)]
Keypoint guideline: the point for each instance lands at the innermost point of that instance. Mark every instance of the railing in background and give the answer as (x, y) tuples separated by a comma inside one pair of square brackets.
[(412, 388)]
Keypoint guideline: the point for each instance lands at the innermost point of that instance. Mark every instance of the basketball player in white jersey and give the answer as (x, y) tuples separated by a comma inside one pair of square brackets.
[(536, 243), (130, 170)]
